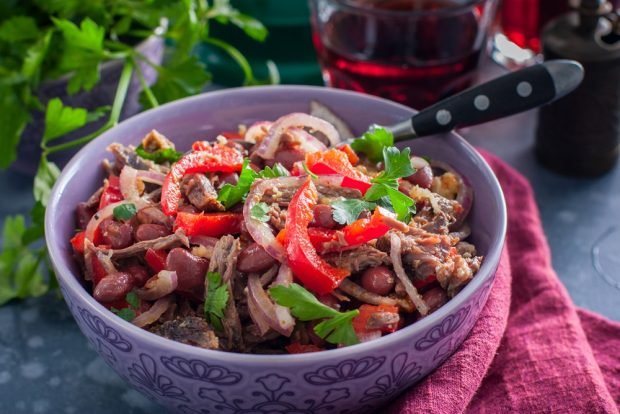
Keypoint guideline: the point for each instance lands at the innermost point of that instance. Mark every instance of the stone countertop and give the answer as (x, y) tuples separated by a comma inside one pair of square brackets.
[(47, 366)]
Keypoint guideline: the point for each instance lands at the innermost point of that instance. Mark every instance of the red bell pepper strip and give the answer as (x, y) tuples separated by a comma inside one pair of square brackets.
[(214, 158), (366, 311), (111, 192), (355, 234), (78, 242), (307, 266), (210, 224), (299, 348), (334, 161), (156, 259)]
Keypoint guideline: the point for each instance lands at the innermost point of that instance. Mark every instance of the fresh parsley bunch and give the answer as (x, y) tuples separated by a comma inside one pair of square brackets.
[(43, 40)]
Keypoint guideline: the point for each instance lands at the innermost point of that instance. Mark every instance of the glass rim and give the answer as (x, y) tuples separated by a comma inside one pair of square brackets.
[(360, 8)]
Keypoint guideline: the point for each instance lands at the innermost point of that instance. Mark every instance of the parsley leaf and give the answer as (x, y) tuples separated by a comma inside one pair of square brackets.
[(132, 299), (336, 329), (160, 156), (385, 185), (260, 212), (277, 170), (178, 81), (14, 116), (47, 173), (397, 165), (125, 313), (124, 211), (60, 119), (373, 142), (19, 28), (347, 211), (215, 300), (232, 194)]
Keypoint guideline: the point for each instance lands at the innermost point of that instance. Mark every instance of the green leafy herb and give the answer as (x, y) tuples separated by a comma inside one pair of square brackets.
[(128, 313), (277, 170), (215, 300), (160, 156), (260, 212), (373, 142), (47, 173), (21, 273), (347, 211), (133, 299), (336, 328), (125, 313), (124, 211), (397, 165), (232, 194), (19, 28)]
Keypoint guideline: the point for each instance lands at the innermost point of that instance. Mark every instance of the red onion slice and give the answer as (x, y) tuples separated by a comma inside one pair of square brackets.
[(261, 232), (153, 177), (154, 313), (107, 212), (284, 277), (158, 286), (465, 195), (269, 145), (256, 131), (264, 312), (307, 142), (402, 276), (129, 183)]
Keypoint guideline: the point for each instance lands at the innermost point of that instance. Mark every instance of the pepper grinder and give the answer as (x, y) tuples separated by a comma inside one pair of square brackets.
[(579, 134)]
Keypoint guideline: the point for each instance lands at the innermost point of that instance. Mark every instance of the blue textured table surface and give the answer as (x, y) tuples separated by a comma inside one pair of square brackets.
[(47, 366)]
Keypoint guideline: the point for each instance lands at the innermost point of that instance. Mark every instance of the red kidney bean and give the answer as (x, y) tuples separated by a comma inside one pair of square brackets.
[(435, 298), (151, 231), (139, 274), (152, 215), (329, 300), (422, 177), (323, 217), (115, 234), (287, 157), (83, 214), (254, 259), (113, 287), (191, 270), (379, 280)]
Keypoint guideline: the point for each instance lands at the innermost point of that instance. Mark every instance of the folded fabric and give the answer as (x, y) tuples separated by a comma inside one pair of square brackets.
[(532, 350)]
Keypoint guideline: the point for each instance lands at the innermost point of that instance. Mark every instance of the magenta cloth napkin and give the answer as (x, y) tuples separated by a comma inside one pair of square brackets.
[(532, 350)]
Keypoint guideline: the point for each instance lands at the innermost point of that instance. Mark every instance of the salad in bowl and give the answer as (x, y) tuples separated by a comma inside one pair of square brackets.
[(275, 238)]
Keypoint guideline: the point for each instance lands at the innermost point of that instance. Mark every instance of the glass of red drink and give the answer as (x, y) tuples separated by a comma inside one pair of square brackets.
[(411, 51)]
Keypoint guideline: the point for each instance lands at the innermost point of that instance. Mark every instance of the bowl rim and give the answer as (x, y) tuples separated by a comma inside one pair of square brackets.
[(71, 283)]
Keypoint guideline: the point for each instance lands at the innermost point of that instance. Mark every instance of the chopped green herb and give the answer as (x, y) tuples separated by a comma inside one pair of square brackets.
[(336, 328), (160, 156), (125, 313), (260, 212), (124, 211), (215, 300), (232, 194), (373, 142), (133, 300), (385, 185), (347, 211), (277, 170)]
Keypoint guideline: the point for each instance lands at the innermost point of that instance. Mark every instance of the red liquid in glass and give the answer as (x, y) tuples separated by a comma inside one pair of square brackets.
[(411, 60), (522, 21)]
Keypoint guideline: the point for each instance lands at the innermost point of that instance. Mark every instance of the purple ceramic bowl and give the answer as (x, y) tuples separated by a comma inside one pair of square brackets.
[(192, 380)]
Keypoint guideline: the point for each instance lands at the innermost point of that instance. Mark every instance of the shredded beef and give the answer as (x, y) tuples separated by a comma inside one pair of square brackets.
[(357, 259), (190, 330), (200, 192)]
